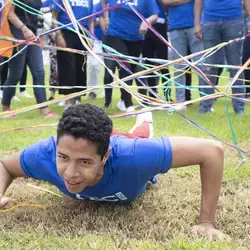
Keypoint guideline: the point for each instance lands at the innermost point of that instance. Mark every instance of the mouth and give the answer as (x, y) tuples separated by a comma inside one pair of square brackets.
[(71, 184)]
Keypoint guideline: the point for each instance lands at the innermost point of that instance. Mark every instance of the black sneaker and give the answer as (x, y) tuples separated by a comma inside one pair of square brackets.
[(92, 96), (106, 106)]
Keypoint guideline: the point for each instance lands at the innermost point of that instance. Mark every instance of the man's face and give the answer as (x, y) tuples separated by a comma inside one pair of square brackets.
[(78, 163)]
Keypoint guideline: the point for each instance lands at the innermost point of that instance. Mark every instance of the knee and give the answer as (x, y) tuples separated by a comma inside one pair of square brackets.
[(38, 76)]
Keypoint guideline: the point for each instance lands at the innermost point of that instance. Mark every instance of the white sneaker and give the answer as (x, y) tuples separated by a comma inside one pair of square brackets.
[(16, 99), (25, 94), (103, 95), (180, 107), (78, 102), (140, 119), (61, 104), (121, 106), (130, 109), (1, 94)]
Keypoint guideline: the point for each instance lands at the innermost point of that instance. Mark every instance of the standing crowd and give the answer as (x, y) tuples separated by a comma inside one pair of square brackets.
[(115, 26)]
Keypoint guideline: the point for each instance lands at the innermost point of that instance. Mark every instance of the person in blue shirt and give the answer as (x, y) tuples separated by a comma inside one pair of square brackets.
[(72, 67), (181, 34), (222, 21), (153, 47), (125, 34), (86, 162)]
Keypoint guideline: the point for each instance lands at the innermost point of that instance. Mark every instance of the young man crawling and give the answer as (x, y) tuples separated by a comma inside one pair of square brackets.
[(89, 161)]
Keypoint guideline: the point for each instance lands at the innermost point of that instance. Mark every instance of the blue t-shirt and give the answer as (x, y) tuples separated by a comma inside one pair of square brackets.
[(47, 3), (80, 8), (124, 23), (132, 163), (97, 7), (181, 16), (215, 10), (162, 15)]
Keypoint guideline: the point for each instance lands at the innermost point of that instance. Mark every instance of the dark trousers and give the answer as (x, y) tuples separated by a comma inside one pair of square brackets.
[(34, 58), (4, 75), (153, 47), (71, 66), (245, 56), (131, 48)]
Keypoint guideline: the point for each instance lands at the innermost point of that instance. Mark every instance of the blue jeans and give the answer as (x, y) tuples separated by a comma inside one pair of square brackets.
[(215, 33), (34, 58), (181, 40)]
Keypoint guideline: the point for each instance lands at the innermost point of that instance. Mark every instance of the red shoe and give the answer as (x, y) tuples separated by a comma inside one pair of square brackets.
[(10, 116), (52, 114)]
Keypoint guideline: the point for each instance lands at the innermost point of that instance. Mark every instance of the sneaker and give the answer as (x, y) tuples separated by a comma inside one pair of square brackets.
[(61, 104), (240, 112), (145, 119), (25, 94), (12, 115), (103, 95), (130, 109), (1, 94), (78, 102), (92, 96), (16, 99), (203, 111), (180, 107), (52, 114), (106, 106), (121, 106), (51, 98)]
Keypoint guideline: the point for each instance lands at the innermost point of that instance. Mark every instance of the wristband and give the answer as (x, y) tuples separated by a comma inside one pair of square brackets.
[(24, 25)]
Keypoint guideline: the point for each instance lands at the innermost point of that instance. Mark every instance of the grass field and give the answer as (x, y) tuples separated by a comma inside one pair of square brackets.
[(160, 219)]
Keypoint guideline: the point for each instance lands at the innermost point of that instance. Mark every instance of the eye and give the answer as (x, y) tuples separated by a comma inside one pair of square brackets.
[(63, 157), (84, 162)]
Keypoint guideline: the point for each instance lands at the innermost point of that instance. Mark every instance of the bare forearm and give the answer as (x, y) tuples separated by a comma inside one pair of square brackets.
[(5, 179), (152, 19), (211, 178), (54, 17), (247, 6), (14, 19), (104, 6), (175, 2), (91, 25), (197, 11)]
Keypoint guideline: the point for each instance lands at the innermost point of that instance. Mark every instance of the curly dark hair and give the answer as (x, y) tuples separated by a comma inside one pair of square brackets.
[(89, 122)]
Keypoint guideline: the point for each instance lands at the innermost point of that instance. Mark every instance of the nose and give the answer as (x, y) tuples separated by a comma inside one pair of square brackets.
[(71, 172)]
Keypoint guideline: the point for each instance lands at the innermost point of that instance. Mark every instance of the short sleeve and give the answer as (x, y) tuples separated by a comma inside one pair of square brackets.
[(152, 8), (153, 156), (39, 160), (47, 3)]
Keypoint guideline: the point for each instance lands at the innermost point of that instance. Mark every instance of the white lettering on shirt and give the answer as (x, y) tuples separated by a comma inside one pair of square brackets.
[(79, 3), (131, 3), (111, 198)]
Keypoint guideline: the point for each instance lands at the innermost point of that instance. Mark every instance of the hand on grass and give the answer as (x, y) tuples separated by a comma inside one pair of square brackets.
[(207, 230), (4, 201)]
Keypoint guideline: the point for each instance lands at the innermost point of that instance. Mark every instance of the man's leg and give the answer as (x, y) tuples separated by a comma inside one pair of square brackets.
[(233, 29), (211, 38), (179, 42)]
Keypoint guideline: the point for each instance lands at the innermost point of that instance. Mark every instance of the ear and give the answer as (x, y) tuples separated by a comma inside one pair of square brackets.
[(106, 156)]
